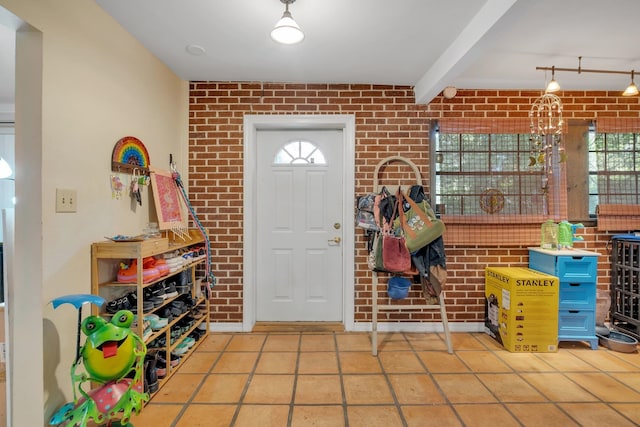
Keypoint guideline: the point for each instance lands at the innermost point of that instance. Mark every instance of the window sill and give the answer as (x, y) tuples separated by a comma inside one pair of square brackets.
[(493, 230)]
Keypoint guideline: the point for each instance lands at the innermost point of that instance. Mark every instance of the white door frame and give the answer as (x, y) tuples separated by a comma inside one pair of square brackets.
[(254, 123)]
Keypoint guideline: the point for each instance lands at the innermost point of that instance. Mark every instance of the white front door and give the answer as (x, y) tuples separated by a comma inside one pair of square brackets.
[(299, 230)]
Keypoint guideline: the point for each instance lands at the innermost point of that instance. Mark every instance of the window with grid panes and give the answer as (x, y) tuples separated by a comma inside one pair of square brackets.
[(472, 167), (614, 169)]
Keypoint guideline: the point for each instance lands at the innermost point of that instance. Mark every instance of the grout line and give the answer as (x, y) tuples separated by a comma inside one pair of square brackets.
[(248, 383), (345, 412), (295, 381), (189, 401)]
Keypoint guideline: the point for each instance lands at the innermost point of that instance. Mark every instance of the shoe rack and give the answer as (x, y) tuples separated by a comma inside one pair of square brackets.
[(105, 264)]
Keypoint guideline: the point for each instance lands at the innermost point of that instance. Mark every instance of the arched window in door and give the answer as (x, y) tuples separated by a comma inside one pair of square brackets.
[(299, 152)]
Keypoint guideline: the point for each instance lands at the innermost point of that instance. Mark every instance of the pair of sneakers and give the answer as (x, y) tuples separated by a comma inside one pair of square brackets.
[(129, 302)]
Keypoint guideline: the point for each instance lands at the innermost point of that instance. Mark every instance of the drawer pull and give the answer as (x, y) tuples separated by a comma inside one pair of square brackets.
[(574, 284), (574, 311)]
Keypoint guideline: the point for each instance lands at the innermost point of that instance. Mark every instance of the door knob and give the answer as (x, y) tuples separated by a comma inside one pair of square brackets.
[(335, 240)]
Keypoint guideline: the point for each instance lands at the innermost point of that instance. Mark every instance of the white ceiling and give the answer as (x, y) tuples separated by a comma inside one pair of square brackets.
[(429, 44)]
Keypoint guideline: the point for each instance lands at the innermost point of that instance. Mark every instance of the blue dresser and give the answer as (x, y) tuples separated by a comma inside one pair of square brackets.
[(577, 271)]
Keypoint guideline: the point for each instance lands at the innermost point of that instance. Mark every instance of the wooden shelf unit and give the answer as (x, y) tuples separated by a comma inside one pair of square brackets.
[(105, 259)]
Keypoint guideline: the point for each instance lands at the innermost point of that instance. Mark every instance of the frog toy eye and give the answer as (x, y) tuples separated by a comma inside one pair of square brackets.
[(122, 319), (92, 324)]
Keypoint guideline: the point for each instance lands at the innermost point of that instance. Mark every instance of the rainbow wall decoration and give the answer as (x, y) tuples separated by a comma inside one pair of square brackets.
[(129, 154)]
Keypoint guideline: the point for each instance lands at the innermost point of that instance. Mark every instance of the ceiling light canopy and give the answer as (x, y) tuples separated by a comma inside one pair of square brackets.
[(554, 86), (287, 30)]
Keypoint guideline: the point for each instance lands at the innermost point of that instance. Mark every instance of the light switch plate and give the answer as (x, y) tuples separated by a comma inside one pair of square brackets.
[(66, 200)]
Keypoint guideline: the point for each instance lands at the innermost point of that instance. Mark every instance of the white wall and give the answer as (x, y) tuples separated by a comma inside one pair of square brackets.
[(98, 84)]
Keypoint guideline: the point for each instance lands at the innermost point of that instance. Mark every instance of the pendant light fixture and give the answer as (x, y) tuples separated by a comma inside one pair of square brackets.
[(632, 89), (287, 30), (553, 85)]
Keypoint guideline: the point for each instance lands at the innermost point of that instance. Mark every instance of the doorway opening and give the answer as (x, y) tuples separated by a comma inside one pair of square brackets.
[(253, 124)]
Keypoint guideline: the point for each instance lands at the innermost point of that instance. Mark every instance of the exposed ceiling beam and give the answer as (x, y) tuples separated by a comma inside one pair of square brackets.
[(465, 48)]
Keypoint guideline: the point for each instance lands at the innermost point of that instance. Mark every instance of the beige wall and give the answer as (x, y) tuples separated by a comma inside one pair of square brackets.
[(98, 84)]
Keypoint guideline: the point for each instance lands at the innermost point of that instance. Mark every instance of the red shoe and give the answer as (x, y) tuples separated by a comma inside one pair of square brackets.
[(129, 273), (162, 266)]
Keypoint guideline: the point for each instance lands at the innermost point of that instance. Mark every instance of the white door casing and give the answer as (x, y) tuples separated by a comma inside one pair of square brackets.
[(299, 229), (252, 125)]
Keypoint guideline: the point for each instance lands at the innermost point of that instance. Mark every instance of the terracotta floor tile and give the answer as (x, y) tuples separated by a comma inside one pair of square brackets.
[(263, 416), (430, 416), (510, 388), (353, 342), (318, 363), (540, 415), (206, 416), (629, 410), (606, 361), (318, 389), (329, 378), (235, 363), (221, 388), (392, 341), (467, 342), (157, 415), (488, 342), (442, 362), (607, 389), (483, 361), (400, 362), (318, 342), (426, 341), (359, 362), (199, 363), (246, 342), (558, 388), (566, 361), (595, 415), (373, 416), (366, 389), (277, 363), (178, 389), (627, 357), (524, 362), (270, 389), (318, 416), (463, 388), (630, 379), (413, 389), (214, 342), (282, 343), (488, 415)]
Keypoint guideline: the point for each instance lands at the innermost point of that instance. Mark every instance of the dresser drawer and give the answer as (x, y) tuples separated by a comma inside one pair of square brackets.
[(576, 323), (577, 295), (542, 262), (577, 268)]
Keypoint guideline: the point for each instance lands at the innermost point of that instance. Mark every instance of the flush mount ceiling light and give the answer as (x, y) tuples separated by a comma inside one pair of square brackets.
[(554, 86), (286, 30)]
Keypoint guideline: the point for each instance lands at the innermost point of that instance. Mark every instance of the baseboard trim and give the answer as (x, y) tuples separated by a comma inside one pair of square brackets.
[(366, 327)]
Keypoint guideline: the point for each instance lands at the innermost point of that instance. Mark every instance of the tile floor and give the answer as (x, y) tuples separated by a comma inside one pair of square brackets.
[(331, 379)]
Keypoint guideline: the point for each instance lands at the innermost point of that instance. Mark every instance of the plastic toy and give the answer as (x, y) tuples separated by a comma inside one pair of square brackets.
[(113, 361)]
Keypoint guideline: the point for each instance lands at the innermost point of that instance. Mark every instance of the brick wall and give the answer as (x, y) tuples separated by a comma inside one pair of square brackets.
[(388, 122)]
